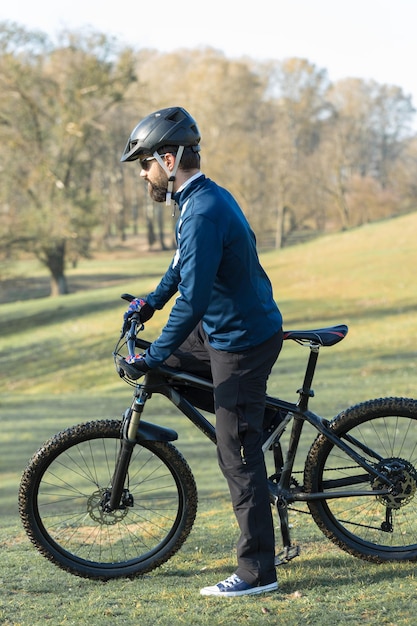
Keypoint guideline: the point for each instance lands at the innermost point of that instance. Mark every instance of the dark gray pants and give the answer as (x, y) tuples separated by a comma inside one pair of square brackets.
[(239, 393)]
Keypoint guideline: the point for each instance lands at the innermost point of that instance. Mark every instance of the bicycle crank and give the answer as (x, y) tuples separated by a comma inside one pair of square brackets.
[(288, 553)]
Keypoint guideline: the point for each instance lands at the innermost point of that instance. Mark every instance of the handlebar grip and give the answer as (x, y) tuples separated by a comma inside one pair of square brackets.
[(131, 335)]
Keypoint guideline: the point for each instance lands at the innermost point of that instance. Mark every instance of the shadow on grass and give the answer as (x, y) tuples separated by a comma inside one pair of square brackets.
[(63, 310), (21, 288), (327, 572)]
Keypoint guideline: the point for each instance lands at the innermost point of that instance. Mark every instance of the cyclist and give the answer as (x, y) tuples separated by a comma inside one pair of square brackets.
[(224, 318)]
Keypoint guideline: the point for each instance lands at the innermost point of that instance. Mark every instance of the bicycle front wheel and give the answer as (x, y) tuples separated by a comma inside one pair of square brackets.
[(373, 527), (66, 484)]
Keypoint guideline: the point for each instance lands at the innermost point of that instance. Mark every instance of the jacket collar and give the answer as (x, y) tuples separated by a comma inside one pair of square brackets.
[(188, 187)]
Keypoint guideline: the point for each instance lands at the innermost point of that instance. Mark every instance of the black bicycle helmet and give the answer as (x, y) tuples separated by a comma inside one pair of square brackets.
[(172, 127)]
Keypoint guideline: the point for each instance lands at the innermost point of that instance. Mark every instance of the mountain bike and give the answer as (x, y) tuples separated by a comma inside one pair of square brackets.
[(115, 498)]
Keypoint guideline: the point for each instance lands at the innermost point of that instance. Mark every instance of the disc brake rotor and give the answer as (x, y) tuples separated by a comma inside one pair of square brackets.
[(96, 512)]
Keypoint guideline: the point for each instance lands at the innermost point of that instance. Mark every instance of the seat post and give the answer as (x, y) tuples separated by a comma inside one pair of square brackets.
[(306, 391)]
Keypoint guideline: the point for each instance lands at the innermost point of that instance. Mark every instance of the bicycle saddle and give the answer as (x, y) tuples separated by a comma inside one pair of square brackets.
[(323, 336)]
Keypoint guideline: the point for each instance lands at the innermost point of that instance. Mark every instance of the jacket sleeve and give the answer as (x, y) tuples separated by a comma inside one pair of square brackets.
[(200, 252), (167, 287)]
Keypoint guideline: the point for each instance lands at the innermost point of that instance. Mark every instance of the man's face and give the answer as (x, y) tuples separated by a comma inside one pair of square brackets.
[(157, 180)]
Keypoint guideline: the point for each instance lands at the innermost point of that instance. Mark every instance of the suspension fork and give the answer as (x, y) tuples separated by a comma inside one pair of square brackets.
[(119, 497)]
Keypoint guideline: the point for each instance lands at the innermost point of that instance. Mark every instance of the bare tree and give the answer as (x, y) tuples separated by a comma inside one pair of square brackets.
[(54, 106)]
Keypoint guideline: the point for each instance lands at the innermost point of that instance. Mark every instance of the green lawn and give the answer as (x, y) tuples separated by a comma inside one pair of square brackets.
[(56, 370)]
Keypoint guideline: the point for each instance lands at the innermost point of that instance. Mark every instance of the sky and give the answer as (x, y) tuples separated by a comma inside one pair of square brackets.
[(369, 39)]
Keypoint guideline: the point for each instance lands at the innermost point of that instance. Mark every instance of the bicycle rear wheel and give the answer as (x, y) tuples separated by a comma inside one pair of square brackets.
[(373, 527), (63, 489)]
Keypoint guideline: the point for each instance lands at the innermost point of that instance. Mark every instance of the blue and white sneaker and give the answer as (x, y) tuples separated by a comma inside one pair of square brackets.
[(235, 586)]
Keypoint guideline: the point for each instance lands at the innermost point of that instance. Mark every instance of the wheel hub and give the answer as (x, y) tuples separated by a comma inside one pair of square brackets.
[(404, 476), (97, 510)]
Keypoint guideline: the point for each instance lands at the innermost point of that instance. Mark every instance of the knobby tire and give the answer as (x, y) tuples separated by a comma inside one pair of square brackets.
[(61, 495), (374, 528)]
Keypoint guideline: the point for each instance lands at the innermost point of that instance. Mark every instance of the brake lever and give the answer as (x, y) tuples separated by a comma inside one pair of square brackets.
[(128, 297)]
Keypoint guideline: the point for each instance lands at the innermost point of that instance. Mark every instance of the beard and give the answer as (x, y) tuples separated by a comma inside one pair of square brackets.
[(158, 193), (158, 189)]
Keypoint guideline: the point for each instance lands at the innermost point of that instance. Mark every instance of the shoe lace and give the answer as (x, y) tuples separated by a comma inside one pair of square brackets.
[(231, 581)]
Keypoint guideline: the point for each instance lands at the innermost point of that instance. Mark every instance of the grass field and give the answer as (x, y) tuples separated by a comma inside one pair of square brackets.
[(56, 370)]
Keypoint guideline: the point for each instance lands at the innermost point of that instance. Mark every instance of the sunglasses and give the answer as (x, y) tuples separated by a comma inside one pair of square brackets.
[(146, 163)]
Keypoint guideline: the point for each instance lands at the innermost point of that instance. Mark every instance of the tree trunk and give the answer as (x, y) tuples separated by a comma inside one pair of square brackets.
[(279, 226), (53, 257), (59, 286)]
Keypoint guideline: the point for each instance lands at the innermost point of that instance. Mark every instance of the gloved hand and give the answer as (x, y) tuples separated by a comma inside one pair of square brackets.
[(139, 305), (135, 366)]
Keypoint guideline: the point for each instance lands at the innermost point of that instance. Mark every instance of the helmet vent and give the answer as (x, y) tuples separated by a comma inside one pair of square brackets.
[(177, 116)]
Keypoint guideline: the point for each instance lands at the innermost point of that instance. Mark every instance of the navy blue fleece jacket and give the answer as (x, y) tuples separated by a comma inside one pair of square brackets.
[(217, 273)]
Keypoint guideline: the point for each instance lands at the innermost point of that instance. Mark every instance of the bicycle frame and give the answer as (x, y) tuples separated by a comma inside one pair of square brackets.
[(165, 381), (169, 382)]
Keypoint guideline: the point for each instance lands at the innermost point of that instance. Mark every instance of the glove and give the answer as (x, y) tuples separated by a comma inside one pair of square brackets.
[(135, 366), (139, 305)]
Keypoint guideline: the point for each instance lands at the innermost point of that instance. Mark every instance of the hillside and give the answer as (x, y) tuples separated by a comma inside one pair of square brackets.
[(364, 278)]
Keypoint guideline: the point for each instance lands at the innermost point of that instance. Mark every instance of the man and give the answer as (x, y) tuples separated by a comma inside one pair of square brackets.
[(224, 316)]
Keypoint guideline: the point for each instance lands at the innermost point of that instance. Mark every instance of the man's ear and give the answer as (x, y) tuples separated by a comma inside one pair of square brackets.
[(170, 160)]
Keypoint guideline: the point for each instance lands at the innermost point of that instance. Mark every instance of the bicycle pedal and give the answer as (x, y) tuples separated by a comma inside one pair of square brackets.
[(287, 554)]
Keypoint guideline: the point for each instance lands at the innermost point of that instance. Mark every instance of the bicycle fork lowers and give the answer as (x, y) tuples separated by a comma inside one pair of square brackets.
[(133, 431), (119, 497)]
